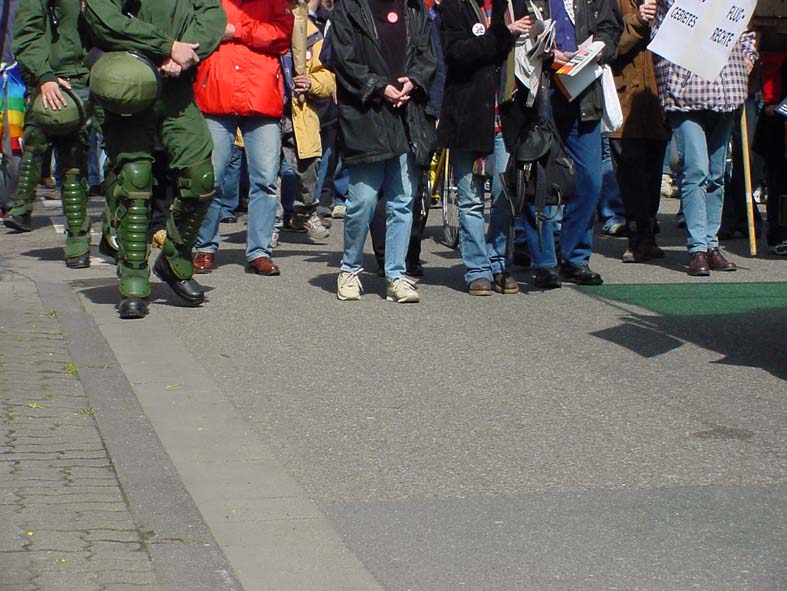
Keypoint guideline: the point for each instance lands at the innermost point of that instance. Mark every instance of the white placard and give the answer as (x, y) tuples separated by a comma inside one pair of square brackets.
[(699, 34)]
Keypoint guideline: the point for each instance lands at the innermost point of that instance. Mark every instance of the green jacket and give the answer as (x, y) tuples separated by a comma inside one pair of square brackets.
[(157, 24), (49, 40)]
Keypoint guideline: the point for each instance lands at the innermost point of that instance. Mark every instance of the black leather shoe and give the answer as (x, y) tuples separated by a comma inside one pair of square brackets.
[(187, 289), (21, 223), (546, 279), (415, 270), (131, 308), (581, 275), (105, 247), (80, 262)]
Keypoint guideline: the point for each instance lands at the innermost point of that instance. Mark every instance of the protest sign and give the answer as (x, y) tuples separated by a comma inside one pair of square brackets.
[(699, 34)]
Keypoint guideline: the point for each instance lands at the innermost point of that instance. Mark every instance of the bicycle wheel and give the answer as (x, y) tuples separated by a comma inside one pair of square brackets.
[(450, 206)]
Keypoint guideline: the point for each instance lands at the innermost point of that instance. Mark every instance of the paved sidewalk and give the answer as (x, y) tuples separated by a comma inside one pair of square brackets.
[(64, 521)]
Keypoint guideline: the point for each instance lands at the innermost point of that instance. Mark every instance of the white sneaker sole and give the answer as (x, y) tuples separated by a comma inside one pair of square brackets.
[(405, 300)]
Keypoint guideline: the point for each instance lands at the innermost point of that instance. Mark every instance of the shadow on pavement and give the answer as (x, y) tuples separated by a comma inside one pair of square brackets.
[(104, 292), (45, 254)]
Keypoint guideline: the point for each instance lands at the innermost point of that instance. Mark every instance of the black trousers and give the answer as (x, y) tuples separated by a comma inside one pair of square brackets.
[(776, 175), (733, 216), (638, 166)]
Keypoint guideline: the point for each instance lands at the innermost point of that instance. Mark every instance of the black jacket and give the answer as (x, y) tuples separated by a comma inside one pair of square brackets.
[(371, 130), (473, 62)]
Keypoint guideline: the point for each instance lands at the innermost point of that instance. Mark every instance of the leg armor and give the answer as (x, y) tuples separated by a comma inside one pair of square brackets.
[(109, 218), (35, 143), (132, 192), (72, 164), (195, 191)]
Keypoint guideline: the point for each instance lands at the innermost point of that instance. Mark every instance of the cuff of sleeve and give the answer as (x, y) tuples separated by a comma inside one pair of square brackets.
[(48, 77)]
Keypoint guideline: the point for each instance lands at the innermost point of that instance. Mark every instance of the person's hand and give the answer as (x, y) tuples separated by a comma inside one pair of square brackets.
[(404, 93), (521, 26), (394, 96), (770, 110), (169, 69), (183, 54), (229, 32), (561, 58), (51, 95), (749, 66), (647, 11), (301, 84)]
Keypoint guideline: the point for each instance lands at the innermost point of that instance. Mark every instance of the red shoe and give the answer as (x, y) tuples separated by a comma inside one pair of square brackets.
[(263, 266), (203, 262)]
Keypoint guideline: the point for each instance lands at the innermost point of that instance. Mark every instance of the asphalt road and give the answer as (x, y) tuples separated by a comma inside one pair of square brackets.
[(556, 440)]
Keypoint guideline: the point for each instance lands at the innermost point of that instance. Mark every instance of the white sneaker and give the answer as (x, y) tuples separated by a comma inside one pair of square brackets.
[(402, 291), (338, 212), (315, 228), (275, 240), (349, 286), (779, 249)]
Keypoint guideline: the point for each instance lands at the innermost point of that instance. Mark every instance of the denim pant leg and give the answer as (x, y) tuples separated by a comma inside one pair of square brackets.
[(222, 131), (366, 180), (718, 145), (701, 140), (610, 207), (500, 217), (583, 146), (262, 138), (231, 186), (399, 185), (472, 241)]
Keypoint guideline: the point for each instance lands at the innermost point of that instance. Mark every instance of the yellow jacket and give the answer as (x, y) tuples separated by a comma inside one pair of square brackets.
[(305, 121)]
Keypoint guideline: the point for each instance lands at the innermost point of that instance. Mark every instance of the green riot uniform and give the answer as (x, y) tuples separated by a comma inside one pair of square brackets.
[(49, 43), (149, 28)]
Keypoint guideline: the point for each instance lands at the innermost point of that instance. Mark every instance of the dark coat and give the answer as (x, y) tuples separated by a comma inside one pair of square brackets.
[(371, 130), (635, 79), (473, 62)]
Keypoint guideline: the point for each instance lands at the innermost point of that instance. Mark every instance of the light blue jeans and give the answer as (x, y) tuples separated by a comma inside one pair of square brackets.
[(477, 254), (397, 178), (262, 138), (701, 139), (610, 206), (501, 218)]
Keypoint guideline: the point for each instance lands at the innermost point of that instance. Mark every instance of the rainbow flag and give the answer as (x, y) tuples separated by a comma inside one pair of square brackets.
[(13, 95)]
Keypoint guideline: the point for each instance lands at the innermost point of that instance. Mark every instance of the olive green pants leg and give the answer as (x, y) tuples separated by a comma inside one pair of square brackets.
[(187, 140), (129, 144)]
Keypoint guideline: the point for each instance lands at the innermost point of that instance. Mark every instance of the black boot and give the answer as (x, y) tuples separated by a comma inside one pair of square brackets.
[(132, 308), (187, 289), (79, 262), (20, 222)]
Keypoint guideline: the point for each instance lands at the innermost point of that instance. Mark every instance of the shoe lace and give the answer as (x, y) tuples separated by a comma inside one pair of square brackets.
[(404, 283), (351, 279)]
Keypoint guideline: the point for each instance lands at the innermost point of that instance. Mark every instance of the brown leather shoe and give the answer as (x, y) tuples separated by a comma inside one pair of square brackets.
[(263, 266), (504, 283), (717, 262), (698, 264), (203, 262)]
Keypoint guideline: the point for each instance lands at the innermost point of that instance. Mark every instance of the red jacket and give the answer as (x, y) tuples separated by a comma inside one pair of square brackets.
[(243, 76)]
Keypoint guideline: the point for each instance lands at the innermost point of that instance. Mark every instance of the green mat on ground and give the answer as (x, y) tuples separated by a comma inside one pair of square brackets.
[(694, 299)]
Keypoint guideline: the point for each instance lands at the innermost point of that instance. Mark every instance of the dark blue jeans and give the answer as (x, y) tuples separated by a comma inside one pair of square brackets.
[(583, 145)]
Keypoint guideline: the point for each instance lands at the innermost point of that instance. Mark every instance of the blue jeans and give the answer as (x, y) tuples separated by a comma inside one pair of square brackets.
[(96, 157), (610, 207), (501, 218), (231, 188), (397, 178), (701, 139), (262, 138), (583, 145)]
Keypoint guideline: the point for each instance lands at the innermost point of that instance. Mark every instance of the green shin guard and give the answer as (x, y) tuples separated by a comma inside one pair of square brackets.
[(109, 219), (196, 189), (133, 189), (29, 175), (77, 219)]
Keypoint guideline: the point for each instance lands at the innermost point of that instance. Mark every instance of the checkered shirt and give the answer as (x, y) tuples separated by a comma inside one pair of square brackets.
[(680, 90)]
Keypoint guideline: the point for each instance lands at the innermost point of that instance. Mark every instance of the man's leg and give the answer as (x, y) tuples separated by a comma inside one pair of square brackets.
[(366, 180), (35, 144), (262, 137), (222, 133), (718, 132), (399, 184), (611, 210), (73, 166), (472, 240)]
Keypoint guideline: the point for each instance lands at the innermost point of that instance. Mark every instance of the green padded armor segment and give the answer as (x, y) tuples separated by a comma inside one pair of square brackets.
[(132, 190), (75, 211), (29, 170), (196, 187)]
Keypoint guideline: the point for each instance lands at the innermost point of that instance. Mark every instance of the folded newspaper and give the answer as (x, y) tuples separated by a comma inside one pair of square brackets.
[(581, 70), (530, 51)]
